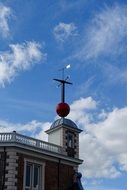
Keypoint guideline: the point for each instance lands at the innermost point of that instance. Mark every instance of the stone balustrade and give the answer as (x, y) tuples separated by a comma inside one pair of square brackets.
[(15, 137)]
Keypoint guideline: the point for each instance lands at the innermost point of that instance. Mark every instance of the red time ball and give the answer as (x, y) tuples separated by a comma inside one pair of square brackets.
[(63, 109)]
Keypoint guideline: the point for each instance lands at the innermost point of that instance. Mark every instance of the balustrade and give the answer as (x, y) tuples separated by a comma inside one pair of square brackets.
[(22, 139)]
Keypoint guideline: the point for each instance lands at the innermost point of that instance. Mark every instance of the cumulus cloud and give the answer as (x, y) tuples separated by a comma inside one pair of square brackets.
[(112, 132), (5, 15), (106, 34), (103, 142), (63, 31), (34, 128), (21, 57), (83, 104), (98, 162), (79, 109)]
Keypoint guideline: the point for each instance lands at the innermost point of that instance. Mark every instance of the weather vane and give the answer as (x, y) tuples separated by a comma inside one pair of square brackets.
[(63, 108)]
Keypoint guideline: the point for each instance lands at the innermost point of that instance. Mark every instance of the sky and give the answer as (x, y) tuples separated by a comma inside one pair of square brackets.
[(38, 39)]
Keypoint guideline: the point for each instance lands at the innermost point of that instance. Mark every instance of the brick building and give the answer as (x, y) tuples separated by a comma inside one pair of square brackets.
[(30, 164)]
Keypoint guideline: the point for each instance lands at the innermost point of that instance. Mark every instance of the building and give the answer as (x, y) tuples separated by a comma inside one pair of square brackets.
[(31, 164)]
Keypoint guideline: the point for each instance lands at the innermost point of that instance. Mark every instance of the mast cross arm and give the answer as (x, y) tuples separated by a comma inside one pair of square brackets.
[(62, 82)]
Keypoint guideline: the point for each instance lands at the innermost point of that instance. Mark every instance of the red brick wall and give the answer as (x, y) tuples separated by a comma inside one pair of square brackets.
[(20, 174), (66, 176), (1, 169), (51, 174)]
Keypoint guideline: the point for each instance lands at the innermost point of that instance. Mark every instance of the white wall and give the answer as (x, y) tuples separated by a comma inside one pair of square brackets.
[(56, 137)]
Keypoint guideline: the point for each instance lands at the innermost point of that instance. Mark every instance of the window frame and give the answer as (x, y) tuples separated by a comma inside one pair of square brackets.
[(34, 162)]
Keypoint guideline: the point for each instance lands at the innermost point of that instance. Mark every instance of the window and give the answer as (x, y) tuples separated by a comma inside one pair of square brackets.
[(70, 140), (34, 176)]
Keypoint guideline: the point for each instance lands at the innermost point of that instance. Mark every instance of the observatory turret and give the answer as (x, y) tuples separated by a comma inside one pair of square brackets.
[(64, 132)]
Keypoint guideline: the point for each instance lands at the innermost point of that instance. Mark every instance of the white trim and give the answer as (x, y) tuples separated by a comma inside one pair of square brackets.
[(63, 126), (42, 172)]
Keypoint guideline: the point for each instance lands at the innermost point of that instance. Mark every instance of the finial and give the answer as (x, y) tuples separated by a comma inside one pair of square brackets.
[(63, 108)]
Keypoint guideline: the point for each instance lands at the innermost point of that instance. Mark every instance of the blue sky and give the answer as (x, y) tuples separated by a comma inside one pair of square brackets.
[(37, 38)]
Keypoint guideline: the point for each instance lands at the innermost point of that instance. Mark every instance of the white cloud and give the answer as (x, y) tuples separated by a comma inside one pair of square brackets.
[(114, 74), (83, 104), (34, 128), (103, 142), (79, 109), (98, 163), (66, 5), (64, 31), (42, 135), (106, 34), (5, 15), (21, 57)]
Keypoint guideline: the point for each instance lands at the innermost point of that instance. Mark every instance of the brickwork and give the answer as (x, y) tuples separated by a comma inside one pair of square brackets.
[(20, 172), (66, 176), (51, 174), (56, 174), (52, 180), (76, 142), (11, 171), (65, 140), (2, 168)]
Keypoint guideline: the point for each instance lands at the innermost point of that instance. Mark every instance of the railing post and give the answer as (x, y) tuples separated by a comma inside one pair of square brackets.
[(37, 143), (14, 136)]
